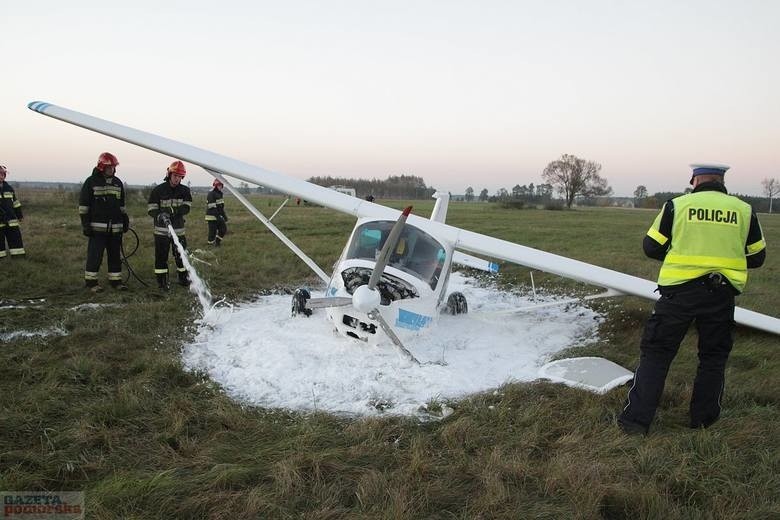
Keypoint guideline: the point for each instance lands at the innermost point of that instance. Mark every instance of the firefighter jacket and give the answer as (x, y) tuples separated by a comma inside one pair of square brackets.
[(215, 205), (174, 201), (706, 231), (10, 207), (102, 204)]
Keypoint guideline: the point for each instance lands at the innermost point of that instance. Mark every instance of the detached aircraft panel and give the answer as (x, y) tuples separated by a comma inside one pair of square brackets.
[(595, 374), (462, 239)]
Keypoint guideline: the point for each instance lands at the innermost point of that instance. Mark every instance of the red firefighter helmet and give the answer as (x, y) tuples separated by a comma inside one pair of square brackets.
[(107, 159), (178, 168), (216, 183), (3, 170)]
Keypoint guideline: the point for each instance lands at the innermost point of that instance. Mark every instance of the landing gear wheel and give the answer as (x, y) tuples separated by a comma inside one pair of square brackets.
[(456, 304), (299, 299)]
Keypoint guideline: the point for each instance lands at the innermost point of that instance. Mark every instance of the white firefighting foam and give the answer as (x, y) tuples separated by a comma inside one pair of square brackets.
[(263, 356), (197, 285)]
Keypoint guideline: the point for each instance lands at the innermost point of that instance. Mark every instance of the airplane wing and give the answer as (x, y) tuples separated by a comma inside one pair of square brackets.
[(464, 240)]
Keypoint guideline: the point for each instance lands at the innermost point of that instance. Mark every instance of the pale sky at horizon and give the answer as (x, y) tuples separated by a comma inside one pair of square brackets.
[(482, 94)]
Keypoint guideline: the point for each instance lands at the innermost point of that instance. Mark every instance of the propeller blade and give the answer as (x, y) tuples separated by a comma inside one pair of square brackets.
[(323, 303), (390, 244), (376, 315)]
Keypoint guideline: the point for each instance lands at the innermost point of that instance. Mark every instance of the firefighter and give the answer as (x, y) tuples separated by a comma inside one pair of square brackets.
[(707, 241), (10, 217), (168, 203), (103, 221), (216, 217)]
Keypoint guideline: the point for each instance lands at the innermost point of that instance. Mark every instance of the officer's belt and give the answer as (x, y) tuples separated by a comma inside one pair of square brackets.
[(710, 280)]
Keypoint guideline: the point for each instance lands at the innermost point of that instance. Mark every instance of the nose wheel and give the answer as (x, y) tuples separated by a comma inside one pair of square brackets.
[(456, 304)]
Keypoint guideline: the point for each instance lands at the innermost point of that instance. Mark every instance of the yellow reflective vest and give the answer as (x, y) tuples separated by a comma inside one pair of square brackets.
[(709, 234)]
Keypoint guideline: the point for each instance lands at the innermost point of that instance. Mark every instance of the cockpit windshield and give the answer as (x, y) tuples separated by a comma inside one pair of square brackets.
[(417, 253)]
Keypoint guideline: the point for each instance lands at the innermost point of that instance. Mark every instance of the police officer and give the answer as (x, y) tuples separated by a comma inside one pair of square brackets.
[(103, 221), (707, 240), (10, 216), (216, 217), (168, 203)]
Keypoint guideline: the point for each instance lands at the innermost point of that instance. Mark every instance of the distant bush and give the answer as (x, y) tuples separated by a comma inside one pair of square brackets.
[(141, 194), (554, 205), (513, 204)]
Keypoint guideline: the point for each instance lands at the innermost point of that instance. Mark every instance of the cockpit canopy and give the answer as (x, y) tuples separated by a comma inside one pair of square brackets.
[(417, 253)]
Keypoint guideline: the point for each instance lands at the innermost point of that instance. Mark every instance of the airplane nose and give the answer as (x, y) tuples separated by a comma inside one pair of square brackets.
[(365, 299)]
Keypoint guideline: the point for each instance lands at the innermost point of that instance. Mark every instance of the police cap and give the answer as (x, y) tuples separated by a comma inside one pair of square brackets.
[(708, 169)]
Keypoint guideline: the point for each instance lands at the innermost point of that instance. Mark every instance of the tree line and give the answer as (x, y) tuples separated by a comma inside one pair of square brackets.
[(572, 178), (394, 187), (569, 176), (771, 188)]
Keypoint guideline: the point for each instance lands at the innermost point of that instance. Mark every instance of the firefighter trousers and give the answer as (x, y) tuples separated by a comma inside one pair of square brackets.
[(10, 234), (162, 246), (707, 302), (111, 243), (217, 230)]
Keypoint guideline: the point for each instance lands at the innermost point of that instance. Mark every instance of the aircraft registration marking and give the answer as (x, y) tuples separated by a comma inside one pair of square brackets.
[(411, 320)]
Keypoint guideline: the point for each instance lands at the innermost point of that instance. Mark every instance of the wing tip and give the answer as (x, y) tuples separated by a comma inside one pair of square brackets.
[(38, 106)]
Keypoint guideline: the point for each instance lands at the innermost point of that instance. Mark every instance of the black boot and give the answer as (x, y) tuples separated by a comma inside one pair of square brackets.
[(119, 285), (184, 279), (93, 286), (162, 282)]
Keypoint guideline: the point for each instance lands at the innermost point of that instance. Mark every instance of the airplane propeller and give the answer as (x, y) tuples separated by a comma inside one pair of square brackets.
[(366, 298)]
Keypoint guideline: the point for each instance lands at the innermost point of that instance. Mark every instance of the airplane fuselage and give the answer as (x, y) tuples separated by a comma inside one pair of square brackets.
[(412, 286)]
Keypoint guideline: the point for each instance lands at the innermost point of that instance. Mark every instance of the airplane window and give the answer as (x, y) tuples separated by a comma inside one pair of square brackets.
[(416, 253)]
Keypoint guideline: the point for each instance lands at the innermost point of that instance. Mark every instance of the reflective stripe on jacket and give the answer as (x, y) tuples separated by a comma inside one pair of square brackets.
[(102, 203), (174, 201), (10, 207), (709, 234), (215, 205)]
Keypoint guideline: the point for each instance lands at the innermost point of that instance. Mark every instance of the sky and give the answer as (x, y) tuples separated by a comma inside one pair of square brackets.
[(462, 93)]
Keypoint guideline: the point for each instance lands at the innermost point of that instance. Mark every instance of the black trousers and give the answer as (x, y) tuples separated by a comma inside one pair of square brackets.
[(13, 236), (162, 246), (710, 304), (111, 243), (217, 230)]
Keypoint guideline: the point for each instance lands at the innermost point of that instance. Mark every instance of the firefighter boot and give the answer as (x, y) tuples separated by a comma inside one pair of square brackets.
[(119, 285), (184, 279), (162, 282), (93, 286)]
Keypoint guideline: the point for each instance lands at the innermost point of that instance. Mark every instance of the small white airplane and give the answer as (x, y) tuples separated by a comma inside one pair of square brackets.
[(393, 273)]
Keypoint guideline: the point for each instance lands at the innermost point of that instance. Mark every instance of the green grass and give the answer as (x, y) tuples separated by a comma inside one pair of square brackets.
[(108, 409)]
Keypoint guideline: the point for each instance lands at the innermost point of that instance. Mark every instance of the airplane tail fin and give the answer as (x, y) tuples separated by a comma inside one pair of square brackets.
[(439, 213)]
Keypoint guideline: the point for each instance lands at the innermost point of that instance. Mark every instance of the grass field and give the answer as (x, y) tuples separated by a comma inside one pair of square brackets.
[(103, 405)]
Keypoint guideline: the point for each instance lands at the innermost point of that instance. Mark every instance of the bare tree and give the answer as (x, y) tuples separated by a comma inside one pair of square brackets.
[(640, 194), (771, 188), (573, 176), (469, 194)]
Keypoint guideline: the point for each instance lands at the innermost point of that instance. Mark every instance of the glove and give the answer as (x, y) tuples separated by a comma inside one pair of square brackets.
[(87, 231), (125, 222), (224, 217), (163, 220)]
